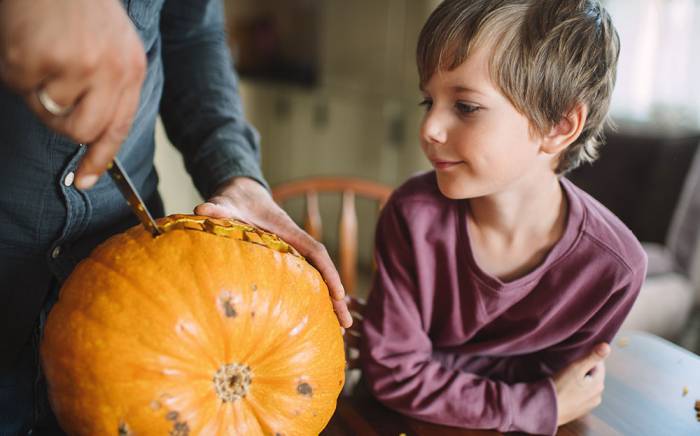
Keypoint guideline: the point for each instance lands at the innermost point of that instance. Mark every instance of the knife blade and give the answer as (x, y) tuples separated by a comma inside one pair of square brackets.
[(132, 197)]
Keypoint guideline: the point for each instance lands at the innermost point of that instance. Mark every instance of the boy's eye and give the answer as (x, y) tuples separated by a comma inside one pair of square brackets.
[(465, 108), (426, 103)]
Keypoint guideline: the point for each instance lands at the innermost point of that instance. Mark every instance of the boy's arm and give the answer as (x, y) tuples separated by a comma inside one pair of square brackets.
[(402, 372), (602, 326)]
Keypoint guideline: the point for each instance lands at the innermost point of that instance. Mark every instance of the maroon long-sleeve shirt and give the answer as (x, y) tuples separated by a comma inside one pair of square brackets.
[(448, 343)]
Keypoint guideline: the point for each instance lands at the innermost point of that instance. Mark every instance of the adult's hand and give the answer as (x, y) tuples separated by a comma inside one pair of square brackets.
[(245, 199), (85, 60), (580, 385)]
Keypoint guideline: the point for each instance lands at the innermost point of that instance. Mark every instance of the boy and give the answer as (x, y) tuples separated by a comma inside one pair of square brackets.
[(499, 283)]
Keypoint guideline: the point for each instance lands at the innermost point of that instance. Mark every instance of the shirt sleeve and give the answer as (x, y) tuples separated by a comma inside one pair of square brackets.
[(200, 108), (604, 322), (401, 371)]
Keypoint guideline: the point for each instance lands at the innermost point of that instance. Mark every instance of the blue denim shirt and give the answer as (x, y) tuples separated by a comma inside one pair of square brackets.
[(47, 225)]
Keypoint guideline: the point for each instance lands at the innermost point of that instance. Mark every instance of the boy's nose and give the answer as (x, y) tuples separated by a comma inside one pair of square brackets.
[(433, 130)]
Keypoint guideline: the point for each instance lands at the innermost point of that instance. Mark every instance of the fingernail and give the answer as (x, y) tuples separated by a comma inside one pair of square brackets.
[(200, 206), (87, 182)]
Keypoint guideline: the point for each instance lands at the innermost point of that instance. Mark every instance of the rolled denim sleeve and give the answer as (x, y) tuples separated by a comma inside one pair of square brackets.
[(200, 108)]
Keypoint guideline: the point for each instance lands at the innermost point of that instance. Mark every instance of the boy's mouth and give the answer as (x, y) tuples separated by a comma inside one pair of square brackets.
[(444, 164)]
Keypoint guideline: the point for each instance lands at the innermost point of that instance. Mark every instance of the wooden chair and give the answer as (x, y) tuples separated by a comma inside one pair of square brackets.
[(349, 188)]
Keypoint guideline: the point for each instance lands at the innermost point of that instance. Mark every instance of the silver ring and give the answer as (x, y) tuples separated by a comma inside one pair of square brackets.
[(50, 104)]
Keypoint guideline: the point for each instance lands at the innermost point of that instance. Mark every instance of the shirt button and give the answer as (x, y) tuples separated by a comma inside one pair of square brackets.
[(56, 252), (68, 181)]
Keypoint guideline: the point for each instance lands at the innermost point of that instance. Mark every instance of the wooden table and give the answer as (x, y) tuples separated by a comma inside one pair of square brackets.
[(645, 394)]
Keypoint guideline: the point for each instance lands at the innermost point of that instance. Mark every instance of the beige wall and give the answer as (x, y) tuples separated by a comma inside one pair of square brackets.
[(176, 188), (362, 118)]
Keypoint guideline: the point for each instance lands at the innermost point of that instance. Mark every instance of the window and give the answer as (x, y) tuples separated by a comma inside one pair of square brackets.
[(658, 79)]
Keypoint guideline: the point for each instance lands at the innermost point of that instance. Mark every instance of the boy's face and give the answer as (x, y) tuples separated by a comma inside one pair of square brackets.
[(478, 143)]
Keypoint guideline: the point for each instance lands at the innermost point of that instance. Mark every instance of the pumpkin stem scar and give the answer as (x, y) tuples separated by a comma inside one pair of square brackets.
[(232, 381)]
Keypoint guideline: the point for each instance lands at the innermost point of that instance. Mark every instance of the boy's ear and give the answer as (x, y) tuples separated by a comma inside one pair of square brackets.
[(566, 131)]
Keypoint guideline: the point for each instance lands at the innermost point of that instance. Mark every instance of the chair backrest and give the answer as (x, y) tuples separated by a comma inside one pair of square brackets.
[(349, 188)]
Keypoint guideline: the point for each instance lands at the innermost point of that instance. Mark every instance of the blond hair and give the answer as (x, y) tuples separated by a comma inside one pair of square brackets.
[(547, 57)]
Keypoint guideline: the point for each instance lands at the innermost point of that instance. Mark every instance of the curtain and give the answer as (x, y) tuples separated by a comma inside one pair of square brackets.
[(658, 78)]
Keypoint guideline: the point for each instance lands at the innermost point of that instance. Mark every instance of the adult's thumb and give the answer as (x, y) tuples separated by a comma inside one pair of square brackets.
[(213, 210)]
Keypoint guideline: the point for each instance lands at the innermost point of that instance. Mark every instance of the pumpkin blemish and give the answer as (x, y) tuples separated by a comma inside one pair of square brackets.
[(229, 309), (180, 429), (305, 389), (124, 429), (225, 300)]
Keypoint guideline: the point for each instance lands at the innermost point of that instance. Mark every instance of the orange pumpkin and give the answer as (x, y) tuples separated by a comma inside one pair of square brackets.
[(212, 328)]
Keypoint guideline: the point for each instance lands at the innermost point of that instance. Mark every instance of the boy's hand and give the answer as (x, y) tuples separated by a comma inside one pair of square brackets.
[(580, 385)]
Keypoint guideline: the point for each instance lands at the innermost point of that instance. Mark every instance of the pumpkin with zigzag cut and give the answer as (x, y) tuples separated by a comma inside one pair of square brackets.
[(212, 328)]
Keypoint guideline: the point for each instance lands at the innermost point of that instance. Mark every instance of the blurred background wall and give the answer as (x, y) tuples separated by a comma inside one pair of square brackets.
[(356, 114)]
